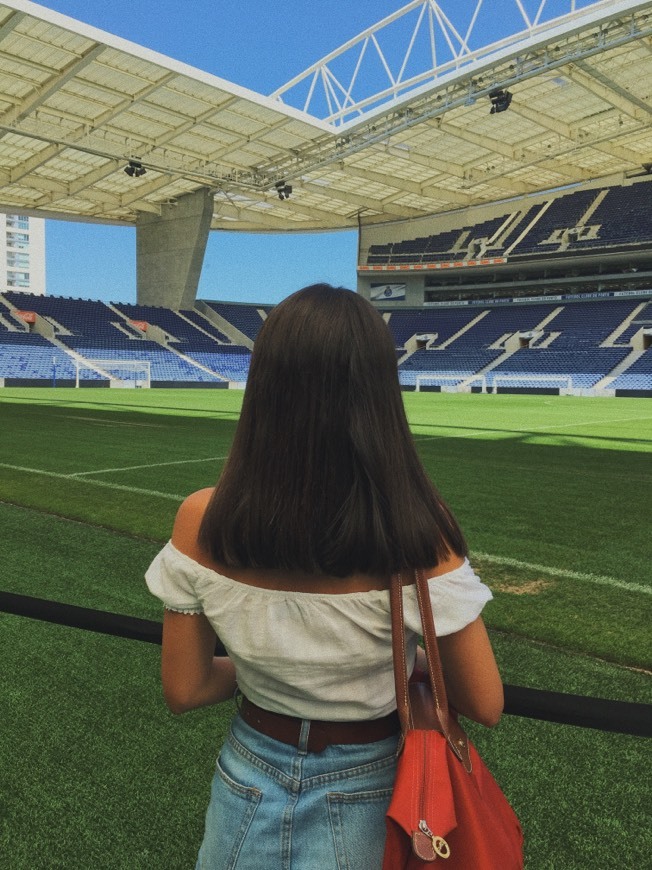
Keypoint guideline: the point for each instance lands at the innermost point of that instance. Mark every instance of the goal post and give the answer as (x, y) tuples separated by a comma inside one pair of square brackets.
[(562, 382), (129, 373), (449, 382)]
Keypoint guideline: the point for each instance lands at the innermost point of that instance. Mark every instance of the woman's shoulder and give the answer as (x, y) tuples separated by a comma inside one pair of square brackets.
[(451, 563), (446, 566), (188, 520)]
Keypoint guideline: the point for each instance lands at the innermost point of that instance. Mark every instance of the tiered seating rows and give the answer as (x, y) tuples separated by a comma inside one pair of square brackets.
[(170, 321), (575, 351), (87, 329), (623, 217)]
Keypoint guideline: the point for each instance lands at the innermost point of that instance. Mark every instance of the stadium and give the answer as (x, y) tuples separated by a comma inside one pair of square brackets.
[(500, 189)]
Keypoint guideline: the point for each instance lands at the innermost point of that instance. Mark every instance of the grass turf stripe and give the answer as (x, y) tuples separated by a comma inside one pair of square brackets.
[(562, 572)]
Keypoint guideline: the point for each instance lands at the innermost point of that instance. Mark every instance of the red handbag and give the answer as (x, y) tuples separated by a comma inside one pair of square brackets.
[(446, 806)]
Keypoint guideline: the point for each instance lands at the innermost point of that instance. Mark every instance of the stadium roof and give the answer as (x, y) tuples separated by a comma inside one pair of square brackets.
[(77, 104)]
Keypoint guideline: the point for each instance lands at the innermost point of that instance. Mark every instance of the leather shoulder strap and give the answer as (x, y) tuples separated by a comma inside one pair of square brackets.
[(447, 723)]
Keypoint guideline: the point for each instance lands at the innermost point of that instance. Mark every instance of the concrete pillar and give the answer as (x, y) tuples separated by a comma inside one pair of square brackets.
[(170, 251)]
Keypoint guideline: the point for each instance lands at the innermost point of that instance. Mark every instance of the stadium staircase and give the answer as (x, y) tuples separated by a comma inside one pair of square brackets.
[(412, 345), (510, 349), (193, 362), (620, 369), (461, 331), (236, 336), (611, 340), (528, 227)]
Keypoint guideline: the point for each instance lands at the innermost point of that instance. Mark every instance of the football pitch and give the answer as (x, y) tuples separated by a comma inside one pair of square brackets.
[(552, 493)]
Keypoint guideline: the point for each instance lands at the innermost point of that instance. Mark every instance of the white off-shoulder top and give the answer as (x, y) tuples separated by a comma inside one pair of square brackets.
[(306, 654)]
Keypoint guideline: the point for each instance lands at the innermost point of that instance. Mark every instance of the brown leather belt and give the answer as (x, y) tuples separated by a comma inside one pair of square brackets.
[(287, 729)]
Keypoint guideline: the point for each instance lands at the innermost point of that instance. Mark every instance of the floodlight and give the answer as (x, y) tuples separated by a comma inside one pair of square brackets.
[(135, 168), (284, 190), (500, 101)]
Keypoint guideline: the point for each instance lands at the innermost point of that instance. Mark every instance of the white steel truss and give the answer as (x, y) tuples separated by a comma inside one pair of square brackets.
[(378, 66)]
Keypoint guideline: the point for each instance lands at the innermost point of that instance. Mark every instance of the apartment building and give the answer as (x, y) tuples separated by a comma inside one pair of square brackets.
[(22, 253)]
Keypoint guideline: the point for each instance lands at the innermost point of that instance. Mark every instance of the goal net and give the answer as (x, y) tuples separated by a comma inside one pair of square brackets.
[(449, 383), (128, 373), (564, 383)]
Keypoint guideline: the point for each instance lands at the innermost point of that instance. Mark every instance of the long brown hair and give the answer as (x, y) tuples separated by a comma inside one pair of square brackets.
[(323, 475)]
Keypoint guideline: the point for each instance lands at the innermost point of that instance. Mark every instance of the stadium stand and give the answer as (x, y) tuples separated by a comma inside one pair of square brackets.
[(584, 221), (444, 322), (88, 331), (592, 342), (573, 340)]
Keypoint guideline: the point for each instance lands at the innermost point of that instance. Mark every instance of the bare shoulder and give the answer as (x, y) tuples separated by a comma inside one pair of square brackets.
[(188, 521), (447, 565)]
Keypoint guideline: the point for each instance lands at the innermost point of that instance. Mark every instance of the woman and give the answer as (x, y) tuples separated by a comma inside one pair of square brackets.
[(288, 560)]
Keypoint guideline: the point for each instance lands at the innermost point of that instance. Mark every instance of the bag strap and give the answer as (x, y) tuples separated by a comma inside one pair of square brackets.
[(443, 721)]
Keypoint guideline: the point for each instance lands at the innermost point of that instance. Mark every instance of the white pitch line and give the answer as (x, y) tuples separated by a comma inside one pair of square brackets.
[(104, 422), (585, 423), (547, 428), (150, 465), (136, 489), (567, 575)]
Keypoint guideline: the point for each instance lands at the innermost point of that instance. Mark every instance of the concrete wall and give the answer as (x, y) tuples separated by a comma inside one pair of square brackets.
[(170, 251)]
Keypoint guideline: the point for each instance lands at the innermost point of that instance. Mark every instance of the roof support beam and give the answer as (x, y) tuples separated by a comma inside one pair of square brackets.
[(324, 217), (518, 155), (513, 186), (573, 133), (384, 178), (432, 187), (10, 24), (142, 190), (259, 219), (380, 206), (41, 95), (599, 84)]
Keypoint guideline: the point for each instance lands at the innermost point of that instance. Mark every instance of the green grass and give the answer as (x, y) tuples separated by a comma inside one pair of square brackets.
[(552, 493), (566, 493)]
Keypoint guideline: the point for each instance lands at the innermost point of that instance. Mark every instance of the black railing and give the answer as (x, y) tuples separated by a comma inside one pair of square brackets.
[(624, 717)]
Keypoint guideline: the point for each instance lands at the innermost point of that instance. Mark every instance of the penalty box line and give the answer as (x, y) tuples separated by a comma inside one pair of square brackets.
[(102, 483), (565, 574)]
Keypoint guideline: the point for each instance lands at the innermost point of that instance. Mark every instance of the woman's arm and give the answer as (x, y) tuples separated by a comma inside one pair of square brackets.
[(191, 675), (471, 674)]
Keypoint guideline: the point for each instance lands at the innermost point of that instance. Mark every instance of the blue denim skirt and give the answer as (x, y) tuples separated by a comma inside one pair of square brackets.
[(280, 807)]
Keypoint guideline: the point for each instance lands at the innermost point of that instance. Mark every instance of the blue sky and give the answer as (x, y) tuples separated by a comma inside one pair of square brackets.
[(260, 44)]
